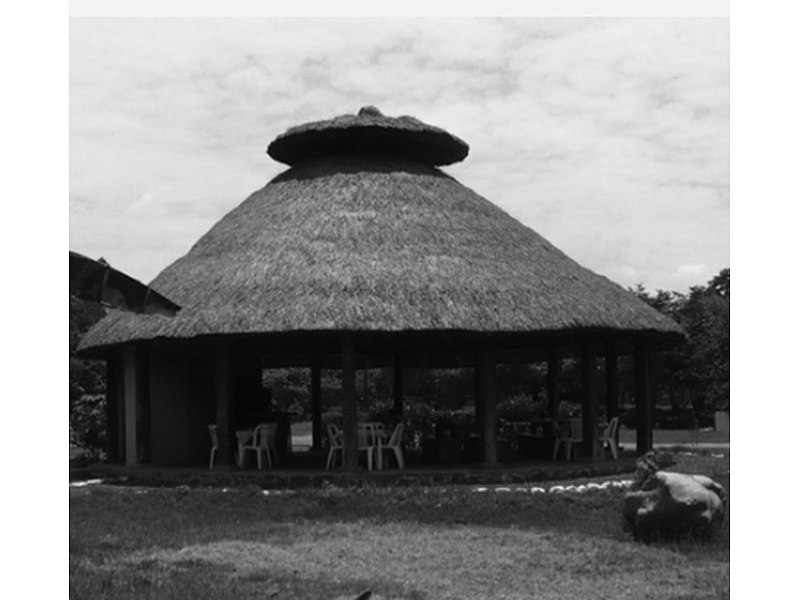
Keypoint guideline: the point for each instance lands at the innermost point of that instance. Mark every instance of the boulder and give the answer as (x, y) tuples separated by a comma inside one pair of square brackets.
[(674, 504), (650, 463)]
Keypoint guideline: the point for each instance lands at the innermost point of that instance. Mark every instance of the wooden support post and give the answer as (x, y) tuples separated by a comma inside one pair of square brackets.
[(588, 401), (143, 420), (316, 403), (644, 409), (349, 411), (478, 371), (612, 385), (397, 384), (115, 428), (487, 366), (553, 371), (223, 401), (129, 399)]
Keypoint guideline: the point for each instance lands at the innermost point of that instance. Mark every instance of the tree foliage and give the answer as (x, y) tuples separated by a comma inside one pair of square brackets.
[(87, 380), (698, 372)]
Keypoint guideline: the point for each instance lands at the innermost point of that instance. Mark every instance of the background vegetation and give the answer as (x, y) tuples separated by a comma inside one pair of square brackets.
[(87, 381), (698, 374)]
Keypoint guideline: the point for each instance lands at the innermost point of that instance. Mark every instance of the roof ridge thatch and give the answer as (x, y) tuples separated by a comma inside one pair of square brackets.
[(348, 242)]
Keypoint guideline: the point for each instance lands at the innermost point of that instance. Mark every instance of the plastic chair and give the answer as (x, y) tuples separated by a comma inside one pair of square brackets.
[(378, 430), (263, 440), (367, 437), (610, 437), (394, 445), (560, 437), (570, 434), (335, 437), (212, 431)]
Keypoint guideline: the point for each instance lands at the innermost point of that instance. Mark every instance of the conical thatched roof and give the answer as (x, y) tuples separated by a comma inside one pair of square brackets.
[(354, 239)]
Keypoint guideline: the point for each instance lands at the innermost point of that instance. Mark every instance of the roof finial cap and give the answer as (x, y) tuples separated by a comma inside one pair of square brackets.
[(369, 133), (369, 111)]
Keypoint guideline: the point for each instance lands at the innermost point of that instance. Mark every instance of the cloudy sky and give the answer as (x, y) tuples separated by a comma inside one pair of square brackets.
[(610, 137)]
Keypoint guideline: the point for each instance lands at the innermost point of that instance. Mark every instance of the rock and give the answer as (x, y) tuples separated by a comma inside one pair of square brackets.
[(650, 463), (674, 504)]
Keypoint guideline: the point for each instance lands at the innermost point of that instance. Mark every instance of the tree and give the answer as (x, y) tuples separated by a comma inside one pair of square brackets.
[(706, 318), (700, 370), (87, 380)]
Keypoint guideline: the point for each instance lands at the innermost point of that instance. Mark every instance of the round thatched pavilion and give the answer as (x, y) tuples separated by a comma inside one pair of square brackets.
[(362, 254)]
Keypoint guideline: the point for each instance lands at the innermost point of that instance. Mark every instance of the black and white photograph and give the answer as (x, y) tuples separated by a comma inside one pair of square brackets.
[(400, 307)]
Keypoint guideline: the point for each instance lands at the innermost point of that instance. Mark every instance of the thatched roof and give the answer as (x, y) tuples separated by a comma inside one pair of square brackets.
[(353, 241), (370, 133), (97, 281)]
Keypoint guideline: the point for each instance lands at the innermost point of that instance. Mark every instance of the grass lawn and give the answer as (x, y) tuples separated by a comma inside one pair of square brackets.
[(404, 542), (678, 437)]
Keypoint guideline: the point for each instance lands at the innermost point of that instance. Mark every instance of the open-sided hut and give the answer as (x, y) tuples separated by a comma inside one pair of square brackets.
[(362, 253)]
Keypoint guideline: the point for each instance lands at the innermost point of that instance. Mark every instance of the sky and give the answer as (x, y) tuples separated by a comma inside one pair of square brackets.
[(610, 137)]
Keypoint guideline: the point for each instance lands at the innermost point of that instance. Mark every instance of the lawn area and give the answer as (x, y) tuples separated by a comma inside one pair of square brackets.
[(678, 437), (402, 542)]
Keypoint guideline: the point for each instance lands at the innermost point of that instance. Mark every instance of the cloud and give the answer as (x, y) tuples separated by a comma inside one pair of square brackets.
[(692, 270), (608, 136)]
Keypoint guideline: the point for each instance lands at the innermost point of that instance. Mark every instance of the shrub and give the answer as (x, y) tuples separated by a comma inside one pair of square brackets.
[(521, 408), (382, 411), (569, 409), (418, 421), (87, 422)]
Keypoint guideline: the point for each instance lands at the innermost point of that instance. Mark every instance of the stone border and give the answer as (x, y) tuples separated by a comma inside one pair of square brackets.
[(271, 480)]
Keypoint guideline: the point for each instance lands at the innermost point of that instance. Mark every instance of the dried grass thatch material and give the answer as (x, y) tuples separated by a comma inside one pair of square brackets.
[(369, 133), (355, 243)]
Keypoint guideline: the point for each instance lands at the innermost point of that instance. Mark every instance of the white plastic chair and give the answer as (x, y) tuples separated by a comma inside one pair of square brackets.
[(335, 438), (393, 445), (610, 437), (263, 440), (367, 438), (212, 431), (570, 434), (378, 430)]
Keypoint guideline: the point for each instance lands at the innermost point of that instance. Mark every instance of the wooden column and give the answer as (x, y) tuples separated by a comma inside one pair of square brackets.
[(349, 411), (487, 367), (115, 428), (553, 371), (143, 422), (316, 403), (130, 384), (642, 392), (223, 401), (612, 385), (397, 384), (588, 401), (478, 392)]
